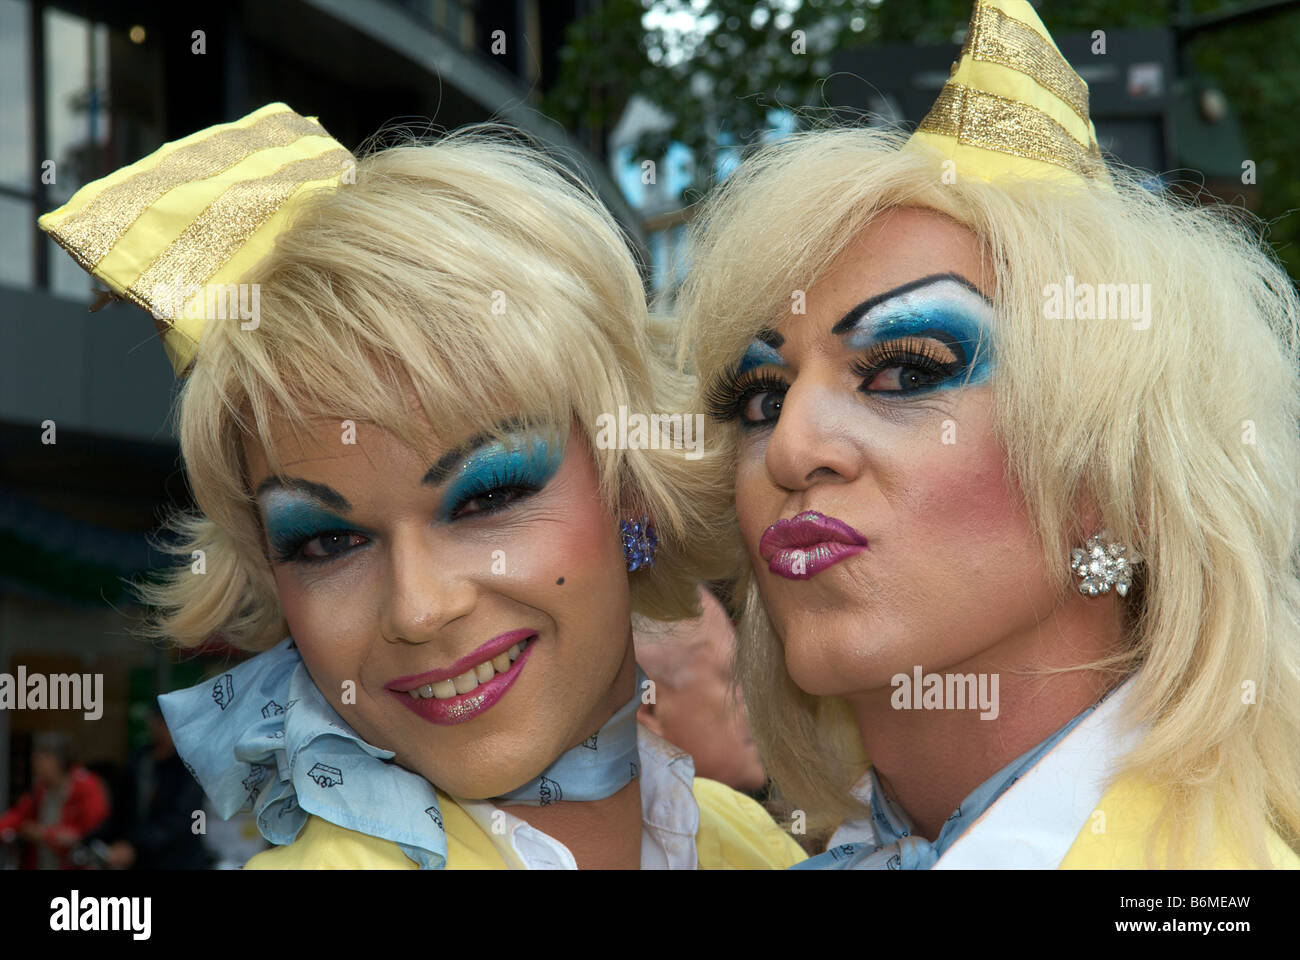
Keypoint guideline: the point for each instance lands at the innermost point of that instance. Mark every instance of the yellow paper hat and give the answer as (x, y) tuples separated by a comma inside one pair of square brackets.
[(1012, 105), (195, 215)]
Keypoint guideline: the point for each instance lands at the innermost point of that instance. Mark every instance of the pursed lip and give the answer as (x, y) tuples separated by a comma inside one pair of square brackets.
[(494, 647), (803, 545)]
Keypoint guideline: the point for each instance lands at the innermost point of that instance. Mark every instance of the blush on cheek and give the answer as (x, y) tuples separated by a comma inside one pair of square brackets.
[(967, 489), (968, 516), (567, 551)]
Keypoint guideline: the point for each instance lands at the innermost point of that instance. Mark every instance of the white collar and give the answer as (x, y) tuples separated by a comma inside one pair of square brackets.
[(670, 817), (1036, 821), (1034, 824)]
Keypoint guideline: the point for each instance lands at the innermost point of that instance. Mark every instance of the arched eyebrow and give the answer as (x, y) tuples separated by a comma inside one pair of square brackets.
[(851, 319), (448, 462), (317, 491)]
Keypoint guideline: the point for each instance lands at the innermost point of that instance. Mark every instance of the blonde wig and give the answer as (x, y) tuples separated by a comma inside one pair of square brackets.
[(1186, 435), (472, 277)]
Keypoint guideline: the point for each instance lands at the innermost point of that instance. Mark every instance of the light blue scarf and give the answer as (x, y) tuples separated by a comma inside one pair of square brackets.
[(262, 735)]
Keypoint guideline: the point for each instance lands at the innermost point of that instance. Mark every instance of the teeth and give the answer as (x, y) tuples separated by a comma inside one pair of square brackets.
[(471, 678)]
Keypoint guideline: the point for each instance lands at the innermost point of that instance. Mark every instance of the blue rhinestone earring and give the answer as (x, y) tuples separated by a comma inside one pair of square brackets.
[(639, 543)]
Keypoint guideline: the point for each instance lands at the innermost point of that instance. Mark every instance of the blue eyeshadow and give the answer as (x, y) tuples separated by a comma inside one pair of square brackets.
[(759, 354), (292, 519), (953, 324), (525, 461)]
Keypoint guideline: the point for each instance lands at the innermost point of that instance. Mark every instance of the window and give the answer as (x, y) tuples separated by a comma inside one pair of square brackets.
[(81, 99), (16, 207)]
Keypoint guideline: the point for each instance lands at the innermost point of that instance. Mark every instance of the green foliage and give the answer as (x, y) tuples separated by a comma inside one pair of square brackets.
[(1257, 66), (718, 80)]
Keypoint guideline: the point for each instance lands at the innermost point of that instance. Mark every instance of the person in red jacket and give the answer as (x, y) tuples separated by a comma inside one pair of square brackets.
[(65, 804)]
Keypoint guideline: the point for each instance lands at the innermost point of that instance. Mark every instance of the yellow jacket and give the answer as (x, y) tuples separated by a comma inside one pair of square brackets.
[(1070, 812), (1121, 841), (735, 834)]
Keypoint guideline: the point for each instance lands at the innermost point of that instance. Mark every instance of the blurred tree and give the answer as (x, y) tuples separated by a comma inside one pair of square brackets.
[(1257, 66), (718, 67)]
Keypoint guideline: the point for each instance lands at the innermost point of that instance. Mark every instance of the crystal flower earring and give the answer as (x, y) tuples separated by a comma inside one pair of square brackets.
[(1104, 562), (639, 543)]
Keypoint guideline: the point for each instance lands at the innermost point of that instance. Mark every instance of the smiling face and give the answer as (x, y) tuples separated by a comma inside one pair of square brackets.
[(486, 577), (871, 489)]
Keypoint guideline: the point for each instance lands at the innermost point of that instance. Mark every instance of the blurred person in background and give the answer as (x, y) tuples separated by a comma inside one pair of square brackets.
[(153, 823), (697, 706), (66, 803)]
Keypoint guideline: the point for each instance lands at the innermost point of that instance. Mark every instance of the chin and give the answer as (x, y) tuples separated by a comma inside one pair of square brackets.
[(828, 665), (479, 770), (819, 677), (484, 784)]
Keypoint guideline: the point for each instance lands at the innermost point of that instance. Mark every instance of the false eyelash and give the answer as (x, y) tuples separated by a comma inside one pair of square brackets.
[(727, 396), (900, 353), (292, 551), (513, 479)]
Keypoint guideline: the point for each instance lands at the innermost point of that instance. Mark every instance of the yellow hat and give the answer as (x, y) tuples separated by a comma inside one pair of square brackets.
[(1012, 106), (195, 215)]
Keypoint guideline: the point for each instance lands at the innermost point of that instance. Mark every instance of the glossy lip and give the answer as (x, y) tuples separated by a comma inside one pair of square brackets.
[(494, 647), (804, 545), (467, 706)]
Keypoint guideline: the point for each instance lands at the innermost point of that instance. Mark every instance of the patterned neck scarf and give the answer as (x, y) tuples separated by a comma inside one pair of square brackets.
[(262, 735)]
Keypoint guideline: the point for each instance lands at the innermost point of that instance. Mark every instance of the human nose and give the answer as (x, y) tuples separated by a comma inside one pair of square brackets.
[(810, 443), (426, 592)]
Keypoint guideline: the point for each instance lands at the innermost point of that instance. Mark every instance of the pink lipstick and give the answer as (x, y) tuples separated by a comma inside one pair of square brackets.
[(804, 545), (466, 706)]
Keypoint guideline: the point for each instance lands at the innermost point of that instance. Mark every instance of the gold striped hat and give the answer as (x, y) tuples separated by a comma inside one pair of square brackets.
[(1012, 105), (195, 215)]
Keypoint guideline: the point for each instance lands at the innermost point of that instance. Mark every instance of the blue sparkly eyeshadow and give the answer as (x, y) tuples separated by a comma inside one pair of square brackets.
[(942, 319), (524, 461), (293, 519)]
